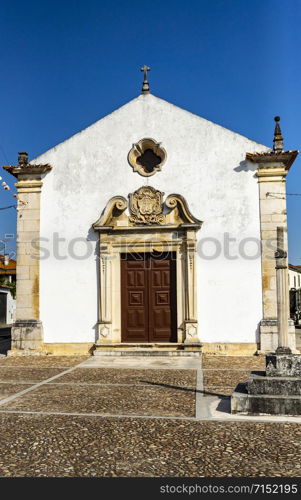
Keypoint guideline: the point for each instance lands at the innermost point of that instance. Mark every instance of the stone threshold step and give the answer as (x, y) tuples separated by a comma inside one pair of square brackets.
[(148, 349), (144, 352), (149, 345)]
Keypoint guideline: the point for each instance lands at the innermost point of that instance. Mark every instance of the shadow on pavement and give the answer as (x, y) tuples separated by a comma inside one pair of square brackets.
[(183, 388)]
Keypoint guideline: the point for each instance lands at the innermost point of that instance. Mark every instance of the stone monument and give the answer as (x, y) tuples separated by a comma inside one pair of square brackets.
[(277, 391)]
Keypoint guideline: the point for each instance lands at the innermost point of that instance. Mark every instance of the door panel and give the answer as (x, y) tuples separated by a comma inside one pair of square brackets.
[(162, 321), (148, 298), (134, 314)]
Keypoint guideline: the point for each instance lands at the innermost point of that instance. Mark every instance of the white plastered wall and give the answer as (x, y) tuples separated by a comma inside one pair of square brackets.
[(205, 163)]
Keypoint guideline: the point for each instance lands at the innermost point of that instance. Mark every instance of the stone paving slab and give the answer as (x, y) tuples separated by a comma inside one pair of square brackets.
[(234, 362), (9, 389), (16, 374), (128, 376), (64, 446), (108, 399), (144, 362), (43, 361)]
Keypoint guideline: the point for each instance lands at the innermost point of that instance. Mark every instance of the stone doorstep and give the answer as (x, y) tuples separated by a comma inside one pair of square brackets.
[(261, 384), (142, 352), (267, 404), (151, 349)]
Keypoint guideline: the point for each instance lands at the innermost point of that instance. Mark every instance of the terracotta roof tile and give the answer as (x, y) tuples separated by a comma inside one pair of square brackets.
[(295, 268), (10, 268), (287, 157)]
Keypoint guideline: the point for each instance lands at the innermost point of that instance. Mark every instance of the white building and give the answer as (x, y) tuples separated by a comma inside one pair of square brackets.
[(294, 277), (294, 274), (188, 197), (7, 306)]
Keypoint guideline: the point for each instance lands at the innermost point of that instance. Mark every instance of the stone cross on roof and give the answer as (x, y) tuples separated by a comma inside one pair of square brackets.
[(145, 86)]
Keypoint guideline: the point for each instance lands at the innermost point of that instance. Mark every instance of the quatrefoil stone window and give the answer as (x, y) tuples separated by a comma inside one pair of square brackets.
[(147, 157)]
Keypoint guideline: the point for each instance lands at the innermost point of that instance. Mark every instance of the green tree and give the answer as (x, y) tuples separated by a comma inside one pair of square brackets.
[(10, 284)]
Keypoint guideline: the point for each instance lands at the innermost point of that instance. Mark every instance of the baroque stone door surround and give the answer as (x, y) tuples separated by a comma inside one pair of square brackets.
[(150, 225)]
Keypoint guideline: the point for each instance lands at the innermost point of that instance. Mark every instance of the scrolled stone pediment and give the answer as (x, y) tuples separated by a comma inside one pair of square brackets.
[(146, 209), (114, 209)]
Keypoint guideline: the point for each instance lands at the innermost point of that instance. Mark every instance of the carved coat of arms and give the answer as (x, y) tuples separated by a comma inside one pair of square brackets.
[(146, 206)]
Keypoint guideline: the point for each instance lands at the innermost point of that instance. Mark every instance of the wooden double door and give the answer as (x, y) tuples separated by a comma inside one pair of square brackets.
[(148, 297)]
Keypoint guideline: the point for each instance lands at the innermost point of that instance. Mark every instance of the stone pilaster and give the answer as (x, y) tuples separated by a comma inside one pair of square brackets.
[(105, 303), (191, 324), (27, 332), (272, 171), (272, 198)]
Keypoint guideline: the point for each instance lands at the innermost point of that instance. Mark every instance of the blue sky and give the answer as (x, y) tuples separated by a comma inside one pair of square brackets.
[(66, 64)]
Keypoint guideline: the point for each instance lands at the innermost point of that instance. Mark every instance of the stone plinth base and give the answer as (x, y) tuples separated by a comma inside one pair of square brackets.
[(273, 386), (26, 336), (283, 365), (69, 348), (269, 335), (277, 391), (229, 348)]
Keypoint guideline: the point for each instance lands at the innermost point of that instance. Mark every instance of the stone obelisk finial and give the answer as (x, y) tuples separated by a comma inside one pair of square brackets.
[(278, 139), (145, 86)]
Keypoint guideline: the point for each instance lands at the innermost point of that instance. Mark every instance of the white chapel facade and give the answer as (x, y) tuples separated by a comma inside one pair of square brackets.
[(151, 228)]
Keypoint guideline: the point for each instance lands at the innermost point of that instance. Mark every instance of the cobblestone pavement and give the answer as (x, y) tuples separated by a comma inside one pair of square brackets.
[(108, 399), (30, 375), (80, 423), (231, 362), (127, 376), (9, 389), (40, 445), (223, 373), (42, 361)]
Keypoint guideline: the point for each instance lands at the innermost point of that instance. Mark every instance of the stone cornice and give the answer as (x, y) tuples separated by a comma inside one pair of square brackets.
[(271, 173), (146, 229), (273, 159), (28, 169)]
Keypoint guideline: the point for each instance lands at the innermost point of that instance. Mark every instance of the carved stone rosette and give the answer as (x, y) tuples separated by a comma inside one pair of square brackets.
[(146, 147)]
